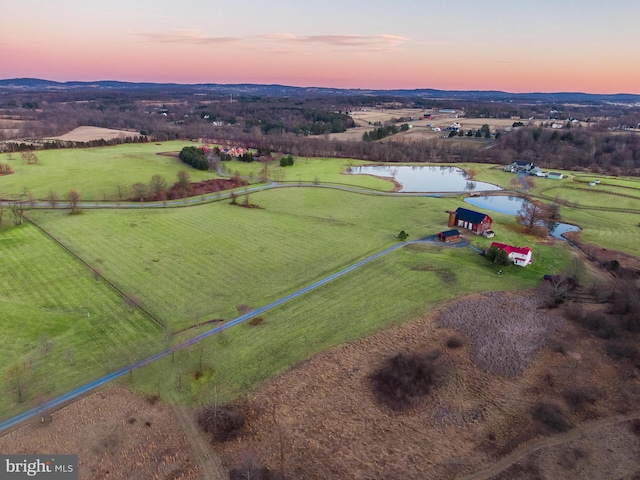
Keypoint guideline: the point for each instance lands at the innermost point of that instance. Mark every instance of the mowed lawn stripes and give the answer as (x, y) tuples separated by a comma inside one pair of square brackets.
[(192, 264), (54, 313)]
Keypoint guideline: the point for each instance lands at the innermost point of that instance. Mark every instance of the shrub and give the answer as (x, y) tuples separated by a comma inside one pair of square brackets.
[(579, 397), (455, 341), (221, 422), (550, 415), (569, 457), (505, 330), (602, 325), (624, 348), (286, 161), (574, 312), (256, 321), (404, 378)]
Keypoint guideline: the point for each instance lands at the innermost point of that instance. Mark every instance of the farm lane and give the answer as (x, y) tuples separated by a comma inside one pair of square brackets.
[(88, 387), (213, 197)]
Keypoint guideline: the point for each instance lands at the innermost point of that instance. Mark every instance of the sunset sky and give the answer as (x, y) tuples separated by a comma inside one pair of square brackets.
[(511, 45)]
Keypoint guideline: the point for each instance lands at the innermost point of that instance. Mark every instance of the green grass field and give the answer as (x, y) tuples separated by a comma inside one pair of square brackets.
[(399, 287), (188, 265), (95, 173), (54, 313), (192, 264)]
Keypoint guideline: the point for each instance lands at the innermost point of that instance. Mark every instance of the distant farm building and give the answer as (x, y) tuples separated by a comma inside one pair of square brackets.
[(555, 175), (477, 222), (449, 236), (520, 256), (518, 166)]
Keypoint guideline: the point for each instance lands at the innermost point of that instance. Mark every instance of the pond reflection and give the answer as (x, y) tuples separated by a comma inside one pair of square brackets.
[(416, 178)]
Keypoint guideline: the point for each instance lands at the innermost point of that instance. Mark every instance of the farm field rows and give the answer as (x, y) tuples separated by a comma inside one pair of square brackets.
[(189, 265), (60, 326)]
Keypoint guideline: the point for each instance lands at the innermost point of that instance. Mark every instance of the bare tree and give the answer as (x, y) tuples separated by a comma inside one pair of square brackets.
[(471, 173), (139, 190), (53, 198), (73, 200), (121, 192), (17, 381), (46, 344), (184, 183), (532, 214), (17, 210), (158, 187)]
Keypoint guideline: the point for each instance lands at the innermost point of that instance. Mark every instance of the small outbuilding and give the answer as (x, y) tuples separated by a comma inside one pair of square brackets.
[(555, 175), (449, 236)]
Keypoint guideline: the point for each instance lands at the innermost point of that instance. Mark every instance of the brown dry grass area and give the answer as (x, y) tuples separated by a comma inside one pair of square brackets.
[(116, 435), (87, 134), (320, 420)]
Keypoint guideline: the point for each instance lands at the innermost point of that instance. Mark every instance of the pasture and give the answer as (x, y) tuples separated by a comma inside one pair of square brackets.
[(189, 265), (96, 173), (213, 261), (60, 325), (399, 287)]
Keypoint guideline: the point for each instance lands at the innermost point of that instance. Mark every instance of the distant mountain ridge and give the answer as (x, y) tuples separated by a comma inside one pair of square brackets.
[(35, 84)]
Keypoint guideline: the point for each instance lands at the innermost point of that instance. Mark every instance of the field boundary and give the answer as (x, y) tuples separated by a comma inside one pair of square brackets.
[(97, 273)]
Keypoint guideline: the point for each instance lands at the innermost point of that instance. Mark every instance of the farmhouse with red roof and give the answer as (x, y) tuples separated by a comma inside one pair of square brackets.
[(519, 255)]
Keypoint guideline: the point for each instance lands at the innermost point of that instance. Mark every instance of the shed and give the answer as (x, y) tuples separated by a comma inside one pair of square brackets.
[(449, 236), (555, 175)]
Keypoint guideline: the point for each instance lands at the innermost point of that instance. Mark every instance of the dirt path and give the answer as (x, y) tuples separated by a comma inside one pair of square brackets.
[(576, 433), (208, 461)]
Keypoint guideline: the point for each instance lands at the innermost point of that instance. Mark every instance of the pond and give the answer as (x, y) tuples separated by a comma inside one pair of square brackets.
[(425, 178), (510, 205)]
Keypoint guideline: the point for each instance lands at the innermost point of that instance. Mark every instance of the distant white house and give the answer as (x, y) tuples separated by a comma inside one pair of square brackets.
[(556, 125)]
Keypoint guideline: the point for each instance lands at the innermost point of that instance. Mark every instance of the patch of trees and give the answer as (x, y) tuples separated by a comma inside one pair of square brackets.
[(404, 379), (379, 133), (195, 157), (56, 144), (498, 256), (574, 148), (287, 161)]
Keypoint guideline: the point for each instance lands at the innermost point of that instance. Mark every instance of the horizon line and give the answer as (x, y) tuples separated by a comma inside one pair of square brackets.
[(193, 84)]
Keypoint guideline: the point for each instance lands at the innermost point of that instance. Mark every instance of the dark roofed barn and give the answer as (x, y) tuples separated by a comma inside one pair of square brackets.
[(477, 222), (449, 236)]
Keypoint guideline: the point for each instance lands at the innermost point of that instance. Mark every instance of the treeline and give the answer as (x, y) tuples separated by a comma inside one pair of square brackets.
[(26, 146), (382, 132), (576, 148), (298, 125)]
